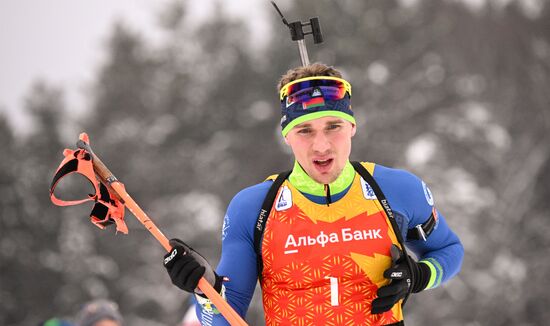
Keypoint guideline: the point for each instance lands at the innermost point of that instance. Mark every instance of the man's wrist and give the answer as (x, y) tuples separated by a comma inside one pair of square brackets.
[(206, 304), (422, 277), (218, 286)]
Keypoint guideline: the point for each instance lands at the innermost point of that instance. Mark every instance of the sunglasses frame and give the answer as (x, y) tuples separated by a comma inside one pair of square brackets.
[(284, 90)]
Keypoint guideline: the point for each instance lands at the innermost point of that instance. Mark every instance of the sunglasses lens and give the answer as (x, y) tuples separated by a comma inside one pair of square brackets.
[(328, 89)]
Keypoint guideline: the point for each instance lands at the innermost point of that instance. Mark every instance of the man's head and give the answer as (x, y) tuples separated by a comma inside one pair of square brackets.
[(99, 313), (314, 69), (317, 120)]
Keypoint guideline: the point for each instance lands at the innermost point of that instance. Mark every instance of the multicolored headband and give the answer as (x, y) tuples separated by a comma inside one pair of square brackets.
[(314, 97)]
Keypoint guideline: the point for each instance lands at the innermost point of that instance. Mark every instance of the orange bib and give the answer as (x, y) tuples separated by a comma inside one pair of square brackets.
[(323, 264)]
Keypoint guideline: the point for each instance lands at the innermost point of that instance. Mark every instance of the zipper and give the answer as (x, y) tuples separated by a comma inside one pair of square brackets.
[(327, 195)]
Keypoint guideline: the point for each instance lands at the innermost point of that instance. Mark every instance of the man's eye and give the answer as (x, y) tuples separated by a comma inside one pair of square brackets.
[(304, 131), (333, 127)]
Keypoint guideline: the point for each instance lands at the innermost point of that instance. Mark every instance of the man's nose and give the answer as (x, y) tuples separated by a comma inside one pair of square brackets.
[(321, 143)]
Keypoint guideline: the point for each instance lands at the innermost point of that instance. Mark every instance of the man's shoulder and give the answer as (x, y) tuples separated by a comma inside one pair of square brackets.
[(390, 174), (397, 181), (243, 210), (252, 195), (404, 189)]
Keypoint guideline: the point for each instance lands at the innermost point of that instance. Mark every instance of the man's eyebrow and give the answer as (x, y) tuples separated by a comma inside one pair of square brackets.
[(303, 125), (330, 122)]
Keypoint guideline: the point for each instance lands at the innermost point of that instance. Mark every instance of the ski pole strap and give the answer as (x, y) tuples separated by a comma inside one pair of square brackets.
[(80, 162), (262, 218), (359, 168), (107, 209)]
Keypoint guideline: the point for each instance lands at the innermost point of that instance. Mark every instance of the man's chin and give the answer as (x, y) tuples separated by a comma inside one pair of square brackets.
[(324, 178)]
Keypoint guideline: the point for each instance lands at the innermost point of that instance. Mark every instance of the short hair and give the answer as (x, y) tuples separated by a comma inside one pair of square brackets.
[(314, 69)]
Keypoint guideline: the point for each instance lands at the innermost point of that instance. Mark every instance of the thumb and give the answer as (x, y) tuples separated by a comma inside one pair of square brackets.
[(396, 254), (178, 243)]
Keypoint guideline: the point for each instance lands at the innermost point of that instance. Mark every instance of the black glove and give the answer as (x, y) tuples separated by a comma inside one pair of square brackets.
[(401, 282), (186, 266)]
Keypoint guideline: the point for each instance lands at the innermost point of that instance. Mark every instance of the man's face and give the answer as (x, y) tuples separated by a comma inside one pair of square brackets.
[(107, 322), (322, 146)]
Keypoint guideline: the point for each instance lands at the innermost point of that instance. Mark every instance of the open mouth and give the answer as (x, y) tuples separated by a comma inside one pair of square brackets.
[(323, 163)]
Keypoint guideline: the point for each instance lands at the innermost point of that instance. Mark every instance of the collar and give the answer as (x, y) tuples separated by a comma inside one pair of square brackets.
[(304, 183)]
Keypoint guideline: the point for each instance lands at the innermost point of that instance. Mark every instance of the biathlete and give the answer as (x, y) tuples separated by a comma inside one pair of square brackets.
[(328, 241)]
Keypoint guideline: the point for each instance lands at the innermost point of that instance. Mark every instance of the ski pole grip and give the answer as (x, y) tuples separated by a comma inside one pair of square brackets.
[(99, 167), (105, 175)]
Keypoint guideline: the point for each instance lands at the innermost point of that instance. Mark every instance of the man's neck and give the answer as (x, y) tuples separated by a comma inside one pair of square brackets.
[(304, 183)]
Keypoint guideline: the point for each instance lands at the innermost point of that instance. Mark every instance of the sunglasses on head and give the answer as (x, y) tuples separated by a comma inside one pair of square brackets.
[(304, 89)]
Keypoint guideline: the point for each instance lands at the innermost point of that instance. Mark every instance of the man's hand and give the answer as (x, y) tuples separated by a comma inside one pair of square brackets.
[(186, 266), (400, 281)]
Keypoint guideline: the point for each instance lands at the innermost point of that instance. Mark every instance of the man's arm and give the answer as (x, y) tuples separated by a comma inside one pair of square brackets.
[(442, 251), (238, 258), (413, 204)]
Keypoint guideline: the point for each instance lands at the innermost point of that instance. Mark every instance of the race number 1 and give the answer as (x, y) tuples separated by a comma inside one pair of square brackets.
[(333, 291)]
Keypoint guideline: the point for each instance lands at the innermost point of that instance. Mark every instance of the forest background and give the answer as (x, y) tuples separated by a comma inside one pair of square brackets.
[(459, 96)]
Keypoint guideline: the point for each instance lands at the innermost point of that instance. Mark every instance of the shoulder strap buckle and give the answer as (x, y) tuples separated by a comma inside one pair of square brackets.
[(421, 233)]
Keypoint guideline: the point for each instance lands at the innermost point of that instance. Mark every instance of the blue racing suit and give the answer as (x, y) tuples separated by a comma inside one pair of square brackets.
[(408, 196)]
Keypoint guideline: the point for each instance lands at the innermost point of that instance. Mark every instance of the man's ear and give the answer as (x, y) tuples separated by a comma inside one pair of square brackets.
[(353, 129), (286, 140)]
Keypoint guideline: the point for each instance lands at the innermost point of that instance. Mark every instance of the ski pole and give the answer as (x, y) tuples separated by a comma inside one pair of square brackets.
[(117, 189)]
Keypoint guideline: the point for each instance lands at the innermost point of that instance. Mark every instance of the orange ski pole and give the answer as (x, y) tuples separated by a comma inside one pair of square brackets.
[(117, 188)]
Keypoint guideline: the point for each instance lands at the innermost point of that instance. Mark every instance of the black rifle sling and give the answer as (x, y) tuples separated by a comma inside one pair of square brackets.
[(262, 218), (386, 206)]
